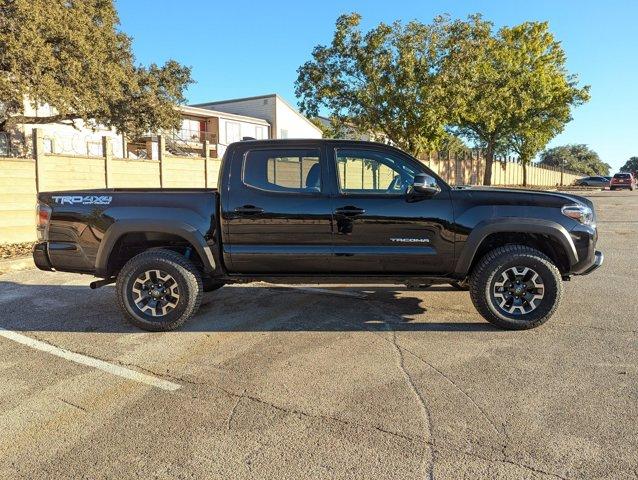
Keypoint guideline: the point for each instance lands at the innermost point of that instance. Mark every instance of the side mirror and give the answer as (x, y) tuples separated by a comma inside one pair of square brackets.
[(425, 184)]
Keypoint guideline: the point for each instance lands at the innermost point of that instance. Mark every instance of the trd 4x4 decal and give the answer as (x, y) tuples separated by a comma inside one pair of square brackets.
[(80, 200)]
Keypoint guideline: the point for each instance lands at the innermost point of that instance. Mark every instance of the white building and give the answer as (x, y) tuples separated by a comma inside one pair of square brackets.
[(218, 123), (285, 121)]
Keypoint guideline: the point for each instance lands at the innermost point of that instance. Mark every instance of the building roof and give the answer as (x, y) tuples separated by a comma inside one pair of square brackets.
[(257, 97), (207, 112)]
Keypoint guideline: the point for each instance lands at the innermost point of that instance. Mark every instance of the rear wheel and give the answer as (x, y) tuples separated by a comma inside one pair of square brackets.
[(158, 290), (516, 287)]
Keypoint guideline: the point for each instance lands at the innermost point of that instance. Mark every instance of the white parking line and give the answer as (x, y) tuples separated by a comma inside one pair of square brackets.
[(89, 361)]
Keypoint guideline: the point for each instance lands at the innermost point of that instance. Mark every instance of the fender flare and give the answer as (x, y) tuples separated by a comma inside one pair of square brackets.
[(180, 229), (513, 225)]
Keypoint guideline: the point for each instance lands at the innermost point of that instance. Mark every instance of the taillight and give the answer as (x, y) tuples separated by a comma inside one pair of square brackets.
[(43, 215)]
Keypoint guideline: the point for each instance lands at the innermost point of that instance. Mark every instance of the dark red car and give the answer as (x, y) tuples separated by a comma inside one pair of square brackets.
[(623, 180)]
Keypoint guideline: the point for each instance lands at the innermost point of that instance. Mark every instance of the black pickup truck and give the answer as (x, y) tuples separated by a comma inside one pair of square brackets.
[(320, 211)]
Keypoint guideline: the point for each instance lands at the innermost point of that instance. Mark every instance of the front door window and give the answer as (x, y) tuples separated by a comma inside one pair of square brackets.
[(372, 172)]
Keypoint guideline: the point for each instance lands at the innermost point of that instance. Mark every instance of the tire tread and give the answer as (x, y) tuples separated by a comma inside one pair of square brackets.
[(183, 265), (491, 261)]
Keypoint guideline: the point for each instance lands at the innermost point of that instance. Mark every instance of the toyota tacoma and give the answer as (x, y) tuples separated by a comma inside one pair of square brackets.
[(320, 211)]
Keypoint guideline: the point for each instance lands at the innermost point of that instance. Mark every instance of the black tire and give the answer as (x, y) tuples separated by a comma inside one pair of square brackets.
[(493, 267), (183, 274), (210, 284), (462, 286), (612, 188)]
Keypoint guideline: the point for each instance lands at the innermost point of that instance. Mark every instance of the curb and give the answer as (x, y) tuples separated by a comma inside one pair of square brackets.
[(16, 264)]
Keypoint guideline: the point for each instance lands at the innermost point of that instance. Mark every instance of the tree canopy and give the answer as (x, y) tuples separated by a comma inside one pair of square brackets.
[(577, 158), (630, 165), (71, 56), (383, 82), (416, 81)]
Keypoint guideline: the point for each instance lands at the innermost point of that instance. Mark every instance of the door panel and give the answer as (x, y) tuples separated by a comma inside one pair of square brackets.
[(380, 229), (277, 215)]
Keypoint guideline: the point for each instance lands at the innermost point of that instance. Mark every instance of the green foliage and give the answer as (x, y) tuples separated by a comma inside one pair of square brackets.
[(630, 165), (508, 87), (504, 90), (70, 55), (385, 81), (331, 127), (577, 158)]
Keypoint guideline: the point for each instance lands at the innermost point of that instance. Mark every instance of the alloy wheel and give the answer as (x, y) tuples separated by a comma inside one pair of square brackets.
[(518, 290), (155, 292)]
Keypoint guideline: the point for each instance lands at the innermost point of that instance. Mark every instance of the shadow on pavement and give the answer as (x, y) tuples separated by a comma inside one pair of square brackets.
[(73, 308)]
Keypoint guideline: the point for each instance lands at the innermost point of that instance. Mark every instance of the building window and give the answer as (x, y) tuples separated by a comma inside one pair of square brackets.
[(260, 132), (233, 132), (94, 149), (47, 144), (283, 133), (190, 130)]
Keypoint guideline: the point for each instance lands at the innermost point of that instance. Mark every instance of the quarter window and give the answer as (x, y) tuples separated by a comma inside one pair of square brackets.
[(372, 172), (291, 171)]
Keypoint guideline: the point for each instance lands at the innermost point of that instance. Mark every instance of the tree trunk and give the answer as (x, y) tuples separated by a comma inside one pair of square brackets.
[(524, 173), (489, 161), (11, 122)]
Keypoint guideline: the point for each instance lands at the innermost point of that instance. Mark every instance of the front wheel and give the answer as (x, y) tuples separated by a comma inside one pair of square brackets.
[(158, 290), (516, 287)]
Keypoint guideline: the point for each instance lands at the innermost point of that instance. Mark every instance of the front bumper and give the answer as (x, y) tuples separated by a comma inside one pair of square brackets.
[(599, 258)]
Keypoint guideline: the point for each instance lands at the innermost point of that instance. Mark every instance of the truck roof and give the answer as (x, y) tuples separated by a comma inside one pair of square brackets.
[(313, 141)]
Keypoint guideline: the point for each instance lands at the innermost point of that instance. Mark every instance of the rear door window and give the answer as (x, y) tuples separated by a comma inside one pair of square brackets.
[(284, 171)]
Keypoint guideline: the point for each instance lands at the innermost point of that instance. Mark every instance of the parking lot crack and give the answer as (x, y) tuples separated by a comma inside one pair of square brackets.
[(229, 421), (391, 321), (459, 389), (427, 466), (295, 411), (72, 404)]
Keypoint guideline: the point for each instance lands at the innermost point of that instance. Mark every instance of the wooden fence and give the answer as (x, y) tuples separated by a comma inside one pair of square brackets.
[(22, 178), (468, 168)]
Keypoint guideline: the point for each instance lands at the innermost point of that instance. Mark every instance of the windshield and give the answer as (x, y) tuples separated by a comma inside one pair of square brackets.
[(622, 175)]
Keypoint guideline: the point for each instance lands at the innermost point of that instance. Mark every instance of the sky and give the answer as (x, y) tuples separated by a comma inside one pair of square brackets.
[(246, 48)]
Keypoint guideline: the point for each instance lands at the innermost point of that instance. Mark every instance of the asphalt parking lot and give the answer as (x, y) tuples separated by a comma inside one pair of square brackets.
[(357, 382)]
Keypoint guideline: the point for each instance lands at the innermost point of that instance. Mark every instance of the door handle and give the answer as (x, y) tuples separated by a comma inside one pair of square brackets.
[(350, 211), (249, 210)]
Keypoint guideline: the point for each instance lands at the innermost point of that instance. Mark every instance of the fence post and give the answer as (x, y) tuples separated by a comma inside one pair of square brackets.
[(206, 161), (38, 154), (107, 153), (161, 150)]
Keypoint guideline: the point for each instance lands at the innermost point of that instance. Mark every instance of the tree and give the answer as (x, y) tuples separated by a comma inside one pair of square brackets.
[(526, 144), (69, 55), (630, 165), (504, 84), (533, 134), (577, 158), (385, 81)]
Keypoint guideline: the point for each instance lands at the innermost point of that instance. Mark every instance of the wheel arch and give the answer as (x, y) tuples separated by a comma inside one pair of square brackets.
[(547, 236), (123, 228)]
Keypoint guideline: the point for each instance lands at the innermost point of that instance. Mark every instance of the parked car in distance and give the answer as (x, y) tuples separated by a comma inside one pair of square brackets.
[(601, 182), (623, 180), (320, 211)]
